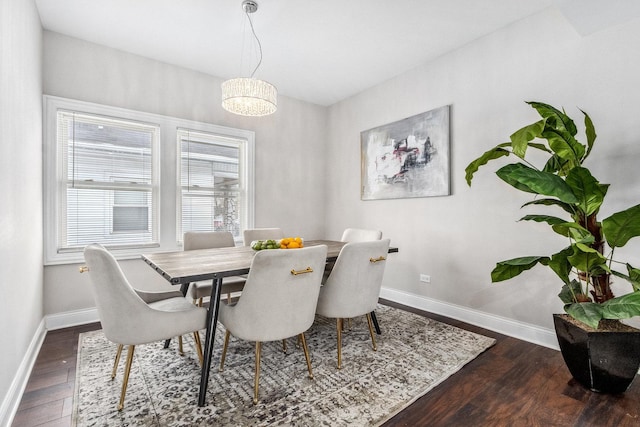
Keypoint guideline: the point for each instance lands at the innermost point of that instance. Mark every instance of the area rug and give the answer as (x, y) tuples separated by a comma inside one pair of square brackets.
[(414, 355)]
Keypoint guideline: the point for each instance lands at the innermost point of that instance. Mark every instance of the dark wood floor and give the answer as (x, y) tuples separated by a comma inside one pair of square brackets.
[(514, 383)]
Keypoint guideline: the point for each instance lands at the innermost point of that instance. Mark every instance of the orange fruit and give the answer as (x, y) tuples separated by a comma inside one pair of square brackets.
[(293, 245)]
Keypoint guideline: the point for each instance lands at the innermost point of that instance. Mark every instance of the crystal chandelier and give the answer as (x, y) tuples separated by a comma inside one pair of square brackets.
[(247, 96)]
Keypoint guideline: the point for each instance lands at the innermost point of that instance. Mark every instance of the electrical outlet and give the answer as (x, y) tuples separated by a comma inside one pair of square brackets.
[(425, 278)]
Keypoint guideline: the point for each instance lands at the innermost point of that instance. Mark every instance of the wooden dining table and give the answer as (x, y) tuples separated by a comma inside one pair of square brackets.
[(183, 267)]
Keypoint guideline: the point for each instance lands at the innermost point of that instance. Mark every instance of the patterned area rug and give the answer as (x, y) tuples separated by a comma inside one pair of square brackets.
[(414, 355)]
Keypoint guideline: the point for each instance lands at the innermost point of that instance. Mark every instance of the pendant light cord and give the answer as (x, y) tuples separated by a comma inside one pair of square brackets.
[(257, 41)]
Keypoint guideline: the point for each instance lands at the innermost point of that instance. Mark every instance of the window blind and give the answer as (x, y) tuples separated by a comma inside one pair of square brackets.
[(212, 191), (106, 181)]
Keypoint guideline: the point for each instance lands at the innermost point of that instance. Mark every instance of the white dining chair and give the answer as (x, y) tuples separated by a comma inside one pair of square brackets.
[(351, 235), (353, 286), (278, 301), (360, 235), (193, 240), (127, 319), (252, 234)]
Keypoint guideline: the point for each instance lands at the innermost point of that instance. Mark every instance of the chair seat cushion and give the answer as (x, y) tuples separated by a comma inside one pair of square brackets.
[(199, 290)]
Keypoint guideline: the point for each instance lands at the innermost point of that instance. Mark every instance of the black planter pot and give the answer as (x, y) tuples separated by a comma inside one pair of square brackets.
[(604, 362)]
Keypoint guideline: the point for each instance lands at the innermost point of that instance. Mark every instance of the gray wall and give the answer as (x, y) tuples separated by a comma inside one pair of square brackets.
[(20, 186), (290, 145), (458, 239), (455, 239)]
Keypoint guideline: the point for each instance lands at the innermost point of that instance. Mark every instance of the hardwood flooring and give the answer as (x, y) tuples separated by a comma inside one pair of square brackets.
[(514, 383)]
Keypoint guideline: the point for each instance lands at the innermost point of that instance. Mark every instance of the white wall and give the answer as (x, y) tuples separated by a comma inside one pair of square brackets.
[(290, 144), (21, 190), (458, 239)]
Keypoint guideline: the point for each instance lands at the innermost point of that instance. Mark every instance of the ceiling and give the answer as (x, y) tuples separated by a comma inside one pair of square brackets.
[(320, 51)]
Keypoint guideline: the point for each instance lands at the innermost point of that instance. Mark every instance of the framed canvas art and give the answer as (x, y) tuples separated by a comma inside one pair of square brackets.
[(408, 158)]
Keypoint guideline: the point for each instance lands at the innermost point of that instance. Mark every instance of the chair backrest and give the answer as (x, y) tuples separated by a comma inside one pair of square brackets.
[(353, 286), (117, 302), (252, 234), (275, 303), (207, 239), (360, 235)]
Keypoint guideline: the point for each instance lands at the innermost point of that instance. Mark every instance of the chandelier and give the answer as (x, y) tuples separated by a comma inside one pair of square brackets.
[(247, 96)]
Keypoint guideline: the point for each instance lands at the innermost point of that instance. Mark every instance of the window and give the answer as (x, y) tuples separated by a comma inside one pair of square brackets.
[(104, 183), (105, 170), (211, 183)]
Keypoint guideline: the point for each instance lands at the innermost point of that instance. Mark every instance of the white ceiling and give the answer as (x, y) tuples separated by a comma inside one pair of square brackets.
[(320, 51)]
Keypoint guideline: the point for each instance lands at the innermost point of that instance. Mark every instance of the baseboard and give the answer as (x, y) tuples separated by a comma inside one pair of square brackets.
[(14, 395), (520, 330), (71, 318)]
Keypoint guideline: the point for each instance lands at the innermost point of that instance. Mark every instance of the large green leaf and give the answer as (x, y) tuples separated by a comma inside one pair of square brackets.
[(504, 173), (586, 259), (557, 165), (551, 220), (587, 189), (531, 180), (560, 264), (564, 145), (562, 121), (623, 307), (508, 269), (520, 138), (574, 231), (622, 226), (586, 312), (634, 276), (494, 153), (591, 133), (541, 147), (567, 207), (569, 291)]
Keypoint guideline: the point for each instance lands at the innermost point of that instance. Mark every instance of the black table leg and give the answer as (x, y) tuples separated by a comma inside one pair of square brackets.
[(212, 321), (374, 319), (183, 288)]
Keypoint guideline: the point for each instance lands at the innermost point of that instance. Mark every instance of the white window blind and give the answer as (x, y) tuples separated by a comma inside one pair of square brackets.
[(212, 185), (106, 181)]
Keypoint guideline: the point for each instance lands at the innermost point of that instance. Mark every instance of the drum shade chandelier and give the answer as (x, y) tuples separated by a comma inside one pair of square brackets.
[(247, 96)]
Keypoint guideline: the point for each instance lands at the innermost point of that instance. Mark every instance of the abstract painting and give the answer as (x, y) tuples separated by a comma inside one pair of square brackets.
[(408, 158)]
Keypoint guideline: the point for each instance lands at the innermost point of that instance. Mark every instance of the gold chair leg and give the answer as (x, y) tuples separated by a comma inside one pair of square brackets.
[(373, 339), (284, 346), (224, 350), (127, 369), (115, 364), (200, 302), (257, 378), (196, 338), (228, 297), (349, 323), (306, 354), (339, 327), (180, 349)]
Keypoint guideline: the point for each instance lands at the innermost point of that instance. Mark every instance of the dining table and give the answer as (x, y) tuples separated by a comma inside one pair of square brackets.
[(181, 268)]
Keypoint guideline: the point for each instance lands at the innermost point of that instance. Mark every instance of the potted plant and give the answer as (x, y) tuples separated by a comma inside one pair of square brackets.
[(587, 265)]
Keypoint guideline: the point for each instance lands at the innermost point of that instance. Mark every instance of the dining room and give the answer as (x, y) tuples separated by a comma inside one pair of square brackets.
[(304, 170)]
